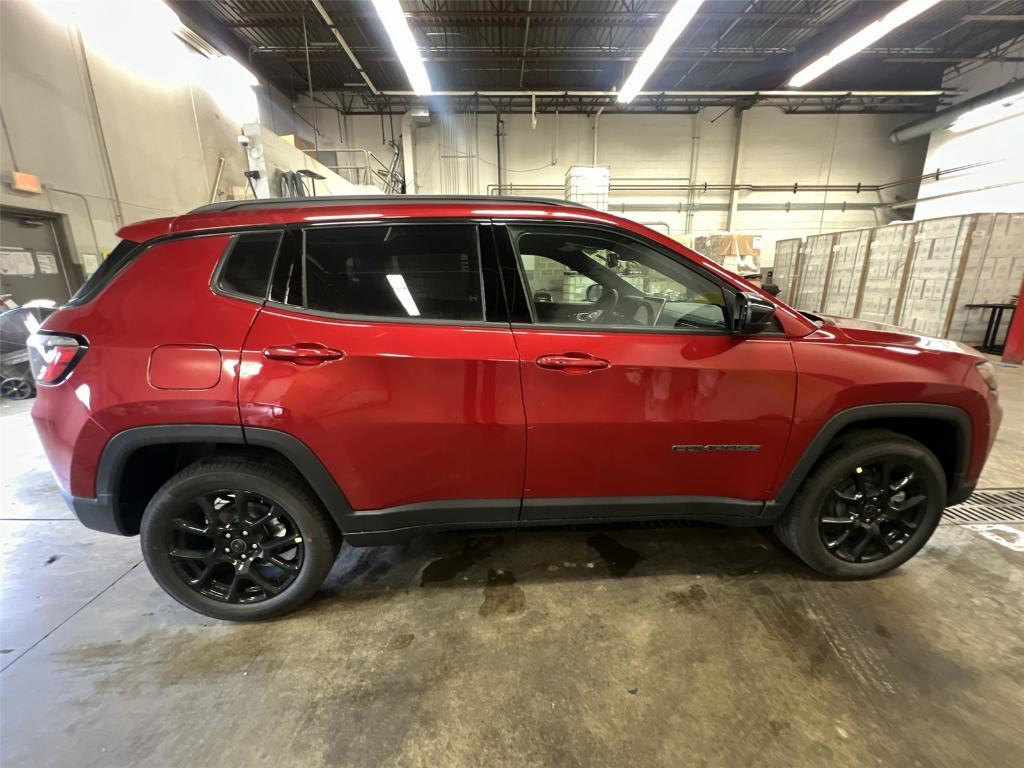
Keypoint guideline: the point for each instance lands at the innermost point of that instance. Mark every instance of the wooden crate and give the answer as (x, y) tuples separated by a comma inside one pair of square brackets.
[(816, 264), (849, 255), (786, 270), (883, 273), (932, 282)]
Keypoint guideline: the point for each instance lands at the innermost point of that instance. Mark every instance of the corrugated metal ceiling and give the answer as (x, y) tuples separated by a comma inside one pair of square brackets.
[(476, 45)]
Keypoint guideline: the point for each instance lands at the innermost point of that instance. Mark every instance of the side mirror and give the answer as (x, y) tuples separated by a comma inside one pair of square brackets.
[(751, 313), (594, 292)]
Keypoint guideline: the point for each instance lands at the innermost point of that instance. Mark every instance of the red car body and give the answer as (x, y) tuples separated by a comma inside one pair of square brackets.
[(402, 425)]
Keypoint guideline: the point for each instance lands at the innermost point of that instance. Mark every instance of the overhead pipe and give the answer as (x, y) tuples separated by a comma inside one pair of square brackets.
[(737, 156), (526, 37), (787, 207), (947, 117), (409, 121), (341, 41), (691, 194), (624, 185), (216, 181), (597, 127), (955, 193)]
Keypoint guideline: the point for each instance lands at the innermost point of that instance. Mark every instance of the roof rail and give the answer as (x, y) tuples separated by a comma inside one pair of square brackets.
[(290, 202)]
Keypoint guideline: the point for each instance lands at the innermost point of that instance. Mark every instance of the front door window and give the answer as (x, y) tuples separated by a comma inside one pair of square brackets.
[(585, 277)]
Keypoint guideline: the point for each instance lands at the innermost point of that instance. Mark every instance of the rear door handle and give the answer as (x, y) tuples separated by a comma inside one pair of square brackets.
[(303, 353), (572, 362)]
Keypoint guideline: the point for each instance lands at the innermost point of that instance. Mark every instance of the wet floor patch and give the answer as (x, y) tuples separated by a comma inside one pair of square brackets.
[(619, 558), (474, 550), (400, 641), (691, 599), (502, 596)]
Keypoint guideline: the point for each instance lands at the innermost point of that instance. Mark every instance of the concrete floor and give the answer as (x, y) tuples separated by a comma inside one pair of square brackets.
[(693, 646)]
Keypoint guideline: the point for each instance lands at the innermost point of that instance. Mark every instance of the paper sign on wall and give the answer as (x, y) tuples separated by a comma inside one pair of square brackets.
[(90, 263), (47, 263), (16, 262)]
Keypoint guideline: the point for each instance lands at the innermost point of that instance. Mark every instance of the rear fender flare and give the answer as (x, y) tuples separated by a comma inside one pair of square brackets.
[(121, 446)]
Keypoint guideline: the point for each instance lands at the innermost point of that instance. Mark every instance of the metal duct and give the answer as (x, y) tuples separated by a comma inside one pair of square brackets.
[(944, 119)]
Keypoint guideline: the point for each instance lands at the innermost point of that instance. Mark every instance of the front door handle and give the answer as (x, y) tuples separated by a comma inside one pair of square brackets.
[(303, 353), (572, 362)]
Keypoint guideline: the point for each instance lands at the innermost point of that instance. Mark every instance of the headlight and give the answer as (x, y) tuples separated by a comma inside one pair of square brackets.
[(987, 371)]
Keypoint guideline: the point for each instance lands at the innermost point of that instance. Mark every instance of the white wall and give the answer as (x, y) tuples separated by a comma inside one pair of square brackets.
[(164, 142), (1000, 145), (776, 149)]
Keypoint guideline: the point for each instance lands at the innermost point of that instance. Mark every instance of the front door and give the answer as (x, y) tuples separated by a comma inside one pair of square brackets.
[(382, 350), (639, 402)]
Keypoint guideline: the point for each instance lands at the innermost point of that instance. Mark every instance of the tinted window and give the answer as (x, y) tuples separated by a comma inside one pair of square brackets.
[(404, 271), (286, 287), (577, 275), (249, 263), (125, 251)]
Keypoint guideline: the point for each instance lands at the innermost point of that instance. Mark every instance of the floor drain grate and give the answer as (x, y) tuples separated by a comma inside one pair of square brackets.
[(1002, 506)]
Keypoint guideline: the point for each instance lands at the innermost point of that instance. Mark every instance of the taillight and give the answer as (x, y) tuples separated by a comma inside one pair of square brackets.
[(52, 356)]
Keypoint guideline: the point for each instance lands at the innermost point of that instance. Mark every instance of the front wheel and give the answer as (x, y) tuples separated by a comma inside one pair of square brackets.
[(237, 539), (867, 508)]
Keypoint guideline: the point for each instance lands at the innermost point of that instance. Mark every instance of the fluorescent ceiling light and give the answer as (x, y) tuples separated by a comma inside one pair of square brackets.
[(403, 295), (1000, 109), (876, 30), (393, 19), (675, 22)]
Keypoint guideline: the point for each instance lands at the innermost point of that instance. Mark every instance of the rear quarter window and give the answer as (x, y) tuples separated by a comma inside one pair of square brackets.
[(248, 265), (108, 269)]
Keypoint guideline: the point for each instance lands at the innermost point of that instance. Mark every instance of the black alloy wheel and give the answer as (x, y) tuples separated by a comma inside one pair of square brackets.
[(16, 389), (235, 547), (866, 507), (872, 511), (238, 538)]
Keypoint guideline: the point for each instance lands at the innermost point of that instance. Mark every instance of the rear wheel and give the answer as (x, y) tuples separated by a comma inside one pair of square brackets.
[(237, 539), (867, 508), (17, 389)]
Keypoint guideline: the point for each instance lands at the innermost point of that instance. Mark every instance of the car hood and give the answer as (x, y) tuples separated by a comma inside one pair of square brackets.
[(870, 332)]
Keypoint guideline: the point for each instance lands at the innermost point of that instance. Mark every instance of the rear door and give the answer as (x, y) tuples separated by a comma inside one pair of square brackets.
[(639, 401), (386, 349)]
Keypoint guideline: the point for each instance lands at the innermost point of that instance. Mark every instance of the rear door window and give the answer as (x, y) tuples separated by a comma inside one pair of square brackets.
[(405, 271)]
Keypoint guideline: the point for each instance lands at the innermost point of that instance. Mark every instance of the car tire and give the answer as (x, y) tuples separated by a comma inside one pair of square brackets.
[(826, 522), (193, 542)]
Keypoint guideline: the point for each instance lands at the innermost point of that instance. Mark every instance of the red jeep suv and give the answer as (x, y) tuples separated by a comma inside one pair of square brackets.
[(252, 383)]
